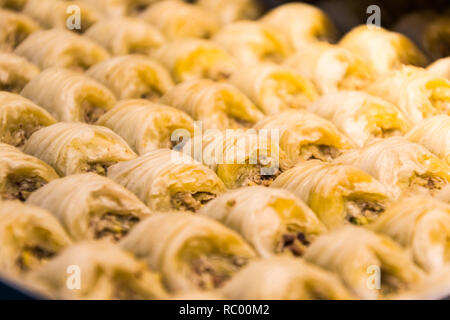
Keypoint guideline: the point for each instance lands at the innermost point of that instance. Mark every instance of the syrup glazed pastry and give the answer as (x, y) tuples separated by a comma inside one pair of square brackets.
[(301, 23), (305, 136), (218, 105), (29, 237), (69, 96), (54, 14), (421, 224), (125, 35), (274, 88), (15, 72), (20, 118), (61, 48), (233, 10), (361, 116), (73, 148), (191, 59), (331, 68), (108, 273), (338, 194), (119, 8), (252, 43), (434, 287), (90, 206), (284, 278), (14, 28), (411, 167), (271, 220), (21, 174), (444, 194), (145, 125), (167, 180), (383, 49), (440, 68), (357, 255), (191, 252), (434, 134), (133, 77), (177, 19), (418, 94)]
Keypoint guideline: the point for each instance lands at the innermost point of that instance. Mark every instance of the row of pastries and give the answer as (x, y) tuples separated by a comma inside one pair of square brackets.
[(113, 138)]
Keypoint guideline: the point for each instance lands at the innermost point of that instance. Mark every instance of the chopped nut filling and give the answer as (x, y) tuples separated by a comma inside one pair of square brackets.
[(320, 152), (391, 284), (295, 242), (190, 201), (426, 181), (361, 212), (20, 134), (33, 256), (99, 168), (252, 177), (91, 112), (19, 187), (112, 225), (387, 132)]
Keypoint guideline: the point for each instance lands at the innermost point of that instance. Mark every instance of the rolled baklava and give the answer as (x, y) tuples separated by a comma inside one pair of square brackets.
[(69, 96), (105, 271), (147, 126), (274, 88), (372, 266), (272, 220), (61, 48), (168, 180), (14, 29), (132, 77), (232, 10), (72, 148), (217, 105), (284, 278), (15, 72), (19, 118), (440, 68), (191, 252), (435, 286), (119, 8)]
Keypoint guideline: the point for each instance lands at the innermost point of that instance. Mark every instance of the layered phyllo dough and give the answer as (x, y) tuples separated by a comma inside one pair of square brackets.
[(14, 29), (440, 68), (90, 206), (21, 174), (15, 72), (218, 105), (284, 278), (61, 48), (77, 147), (119, 8), (132, 77), (191, 252), (168, 180), (147, 126), (107, 273), (20, 118), (274, 88), (69, 95), (232, 10), (362, 117), (272, 220), (434, 287)]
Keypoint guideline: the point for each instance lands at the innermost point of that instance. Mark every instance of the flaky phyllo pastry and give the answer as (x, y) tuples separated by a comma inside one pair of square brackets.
[(434, 134), (362, 117), (440, 68), (444, 194), (61, 48), (177, 19), (78, 147), (383, 49), (301, 23), (147, 126), (21, 174), (132, 77), (19, 118), (239, 157), (57, 14), (15, 72), (331, 68), (13, 4), (252, 43), (90, 206), (274, 88), (29, 237), (422, 225), (218, 105), (305, 136), (107, 272), (168, 180), (372, 266), (14, 28), (402, 166), (69, 96), (272, 220), (417, 93), (126, 35), (191, 252), (338, 194), (436, 286), (232, 10), (119, 8), (284, 278), (190, 59)]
